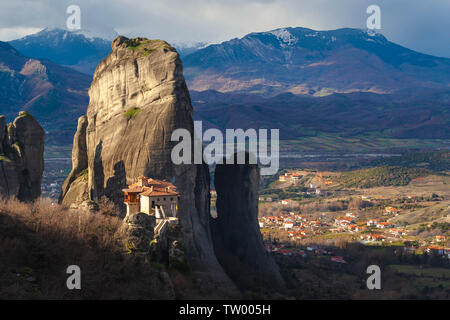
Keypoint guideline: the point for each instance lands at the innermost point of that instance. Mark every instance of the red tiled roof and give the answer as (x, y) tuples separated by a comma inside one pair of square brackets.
[(155, 188), (158, 192), (134, 189), (345, 218)]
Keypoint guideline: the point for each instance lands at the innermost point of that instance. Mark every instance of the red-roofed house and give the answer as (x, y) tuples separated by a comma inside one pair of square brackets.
[(385, 225), (344, 221), (375, 237), (372, 222), (436, 250), (338, 259)]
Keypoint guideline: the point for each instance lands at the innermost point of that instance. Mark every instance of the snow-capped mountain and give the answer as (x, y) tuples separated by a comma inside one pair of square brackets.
[(185, 48), (82, 49), (305, 61), (107, 34)]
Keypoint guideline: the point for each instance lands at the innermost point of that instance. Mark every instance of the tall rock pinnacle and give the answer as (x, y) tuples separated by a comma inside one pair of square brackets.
[(21, 157), (138, 97), (236, 236)]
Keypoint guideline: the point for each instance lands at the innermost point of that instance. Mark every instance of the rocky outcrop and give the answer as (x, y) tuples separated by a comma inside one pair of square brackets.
[(237, 239), (138, 97), (79, 164), (21, 157), (2, 132), (138, 231)]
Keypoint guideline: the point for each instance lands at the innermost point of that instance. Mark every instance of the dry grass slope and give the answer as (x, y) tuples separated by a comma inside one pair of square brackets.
[(39, 241)]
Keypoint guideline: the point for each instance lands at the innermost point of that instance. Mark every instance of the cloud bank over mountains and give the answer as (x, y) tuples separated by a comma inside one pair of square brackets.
[(417, 24)]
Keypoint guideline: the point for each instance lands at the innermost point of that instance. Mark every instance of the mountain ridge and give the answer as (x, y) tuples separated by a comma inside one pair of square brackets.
[(269, 84), (49, 91), (305, 61), (81, 50)]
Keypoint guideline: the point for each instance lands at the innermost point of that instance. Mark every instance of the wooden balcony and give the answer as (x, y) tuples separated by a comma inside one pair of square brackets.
[(130, 197)]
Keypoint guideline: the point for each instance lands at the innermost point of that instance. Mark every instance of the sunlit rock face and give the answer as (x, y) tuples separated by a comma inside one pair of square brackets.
[(138, 97), (21, 157)]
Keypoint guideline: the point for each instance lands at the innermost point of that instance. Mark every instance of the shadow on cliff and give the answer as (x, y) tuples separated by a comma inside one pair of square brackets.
[(237, 240), (115, 184), (39, 241), (98, 174)]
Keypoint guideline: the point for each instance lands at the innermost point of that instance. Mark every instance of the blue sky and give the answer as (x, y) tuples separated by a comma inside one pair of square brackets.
[(422, 25)]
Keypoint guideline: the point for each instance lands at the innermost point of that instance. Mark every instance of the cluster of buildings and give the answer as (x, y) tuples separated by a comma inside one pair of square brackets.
[(54, 175), (392, 211), (440, 251), (296, 226), (300, 227), (290, 176), (282, 249)]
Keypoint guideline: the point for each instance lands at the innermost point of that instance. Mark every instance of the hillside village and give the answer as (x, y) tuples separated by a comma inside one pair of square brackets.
[(297, 216)]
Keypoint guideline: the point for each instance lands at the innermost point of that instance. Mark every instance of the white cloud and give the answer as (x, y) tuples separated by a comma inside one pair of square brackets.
[(7, 34), (419, 24)]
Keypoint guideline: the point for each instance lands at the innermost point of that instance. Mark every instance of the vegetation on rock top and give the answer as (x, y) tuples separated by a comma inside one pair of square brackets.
[(23, 114), (146, 46)]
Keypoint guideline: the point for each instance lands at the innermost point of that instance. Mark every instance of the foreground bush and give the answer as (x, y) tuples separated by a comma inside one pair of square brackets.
[(38, 241)]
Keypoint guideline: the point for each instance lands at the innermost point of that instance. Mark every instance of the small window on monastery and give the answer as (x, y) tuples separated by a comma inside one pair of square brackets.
[(164, 199)]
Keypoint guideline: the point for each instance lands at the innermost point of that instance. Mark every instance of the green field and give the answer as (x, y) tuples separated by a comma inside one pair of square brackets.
[(438, 273), (364, 143)]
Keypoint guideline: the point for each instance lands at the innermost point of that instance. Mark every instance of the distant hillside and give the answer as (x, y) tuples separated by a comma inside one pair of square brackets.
[(55, 95), (439, 213), (74, 49), (421, 114), (381, 176), (305, 61), (436, 161), (298, 80)]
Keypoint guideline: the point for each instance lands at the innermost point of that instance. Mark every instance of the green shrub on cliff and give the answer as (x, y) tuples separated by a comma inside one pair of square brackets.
[(132, 112)]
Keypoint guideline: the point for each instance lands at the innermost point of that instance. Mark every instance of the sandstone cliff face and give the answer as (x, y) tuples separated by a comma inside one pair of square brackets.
[(21, 157), (138, 97), (237, 239), (138, 229), (76, 181)]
